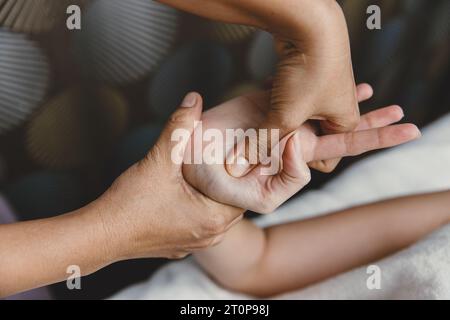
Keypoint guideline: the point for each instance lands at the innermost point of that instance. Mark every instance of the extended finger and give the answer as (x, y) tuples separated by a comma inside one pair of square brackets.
[(356, 143)]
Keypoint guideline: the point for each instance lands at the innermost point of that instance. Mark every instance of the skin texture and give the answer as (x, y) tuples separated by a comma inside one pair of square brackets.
[(263, 194), (149, 211), (267, 262), (314, 79), (152, 210)]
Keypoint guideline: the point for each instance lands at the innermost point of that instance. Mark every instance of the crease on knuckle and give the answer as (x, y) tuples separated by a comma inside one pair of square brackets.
[(177, 118), (349, 143), (353, 121)]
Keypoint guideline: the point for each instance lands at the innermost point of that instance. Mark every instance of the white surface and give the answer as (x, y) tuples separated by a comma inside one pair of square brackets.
[(420, 272)]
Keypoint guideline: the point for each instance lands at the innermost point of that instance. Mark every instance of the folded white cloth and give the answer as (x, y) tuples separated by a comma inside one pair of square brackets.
[(419, 272)]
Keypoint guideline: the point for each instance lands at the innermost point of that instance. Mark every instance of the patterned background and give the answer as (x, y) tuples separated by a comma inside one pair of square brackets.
[(79, 107)]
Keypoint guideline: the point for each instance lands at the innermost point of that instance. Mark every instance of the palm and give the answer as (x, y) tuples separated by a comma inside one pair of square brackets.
[(253, 190)]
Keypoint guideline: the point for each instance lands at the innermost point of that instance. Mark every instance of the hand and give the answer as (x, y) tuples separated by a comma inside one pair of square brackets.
[(263, 194), (315, 82), (314, 79), (151, 211)]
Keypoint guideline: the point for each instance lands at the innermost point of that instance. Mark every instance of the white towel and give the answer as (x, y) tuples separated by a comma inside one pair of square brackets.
[(419, 272)]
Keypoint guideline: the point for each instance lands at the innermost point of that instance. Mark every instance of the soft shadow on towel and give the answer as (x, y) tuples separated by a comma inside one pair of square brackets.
[(418, 272)]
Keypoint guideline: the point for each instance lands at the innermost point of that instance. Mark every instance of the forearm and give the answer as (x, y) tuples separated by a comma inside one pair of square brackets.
[(37, 253), (307, 252), (313, 23), (295, 255), (236, 259)]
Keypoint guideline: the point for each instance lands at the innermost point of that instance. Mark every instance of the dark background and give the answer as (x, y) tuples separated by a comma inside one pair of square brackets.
[(406, 62)]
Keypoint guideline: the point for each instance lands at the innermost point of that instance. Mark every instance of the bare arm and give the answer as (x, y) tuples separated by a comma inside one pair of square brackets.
[(149, 211), (304, 20), (36, 253), (291, 256), (315, 65)]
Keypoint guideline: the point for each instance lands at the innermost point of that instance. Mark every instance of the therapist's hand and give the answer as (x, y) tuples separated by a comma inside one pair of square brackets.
[(151, 211), (314, 79), (262, 193)]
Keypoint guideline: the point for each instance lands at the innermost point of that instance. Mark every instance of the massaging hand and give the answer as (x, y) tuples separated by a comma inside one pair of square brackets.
[(314, 79), (262, 193), (149, 211), (154, 211)]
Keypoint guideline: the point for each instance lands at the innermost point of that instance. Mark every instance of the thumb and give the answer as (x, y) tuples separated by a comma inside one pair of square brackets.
[(294, 175), (176, 135), (249, 153)]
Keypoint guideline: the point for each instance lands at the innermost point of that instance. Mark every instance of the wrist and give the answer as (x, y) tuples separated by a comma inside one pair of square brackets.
[(112, 241), (322, 29)]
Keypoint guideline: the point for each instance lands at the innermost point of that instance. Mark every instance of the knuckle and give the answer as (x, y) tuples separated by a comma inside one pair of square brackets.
[(288, 123), (352, 121), (344, 123), (317, 165), (325, 166), (349, 143), (284, 120), (268, 206), (328, 167), (177, 118), (265, 202)]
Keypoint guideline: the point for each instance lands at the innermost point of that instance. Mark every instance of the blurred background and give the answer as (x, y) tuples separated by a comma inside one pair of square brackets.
[(77, 108)]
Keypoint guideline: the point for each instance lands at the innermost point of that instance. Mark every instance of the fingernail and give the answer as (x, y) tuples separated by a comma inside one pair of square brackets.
[(419, 133), (237, 164), (189, 101), (402, 112)]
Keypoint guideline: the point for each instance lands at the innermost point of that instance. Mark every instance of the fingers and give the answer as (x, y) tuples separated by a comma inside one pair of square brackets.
[(251, 153), (356, 143), (349, 122), (176, 135), (372, 120), (291, 179), (381, 118), (284, 125), (363, 92)]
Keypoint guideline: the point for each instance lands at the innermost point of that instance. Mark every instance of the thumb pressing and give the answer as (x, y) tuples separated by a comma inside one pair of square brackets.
[(246, 156), (179, 128)]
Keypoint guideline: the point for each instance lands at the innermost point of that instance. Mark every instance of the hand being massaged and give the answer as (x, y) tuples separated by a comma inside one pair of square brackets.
[(262, 193), (314, 78), (158, 208)]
